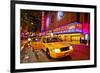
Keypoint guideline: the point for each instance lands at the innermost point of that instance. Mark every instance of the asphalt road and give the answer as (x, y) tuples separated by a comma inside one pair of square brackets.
[(81, 52)]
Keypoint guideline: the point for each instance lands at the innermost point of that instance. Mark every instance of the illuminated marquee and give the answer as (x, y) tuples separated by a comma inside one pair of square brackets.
[(73, 27), (68, 28)]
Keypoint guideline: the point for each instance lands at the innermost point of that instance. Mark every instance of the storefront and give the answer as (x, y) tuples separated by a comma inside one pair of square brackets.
[(70, 32), (73, 38)]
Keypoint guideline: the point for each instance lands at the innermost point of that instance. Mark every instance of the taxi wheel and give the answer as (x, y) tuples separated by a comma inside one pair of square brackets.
[(48, 54)]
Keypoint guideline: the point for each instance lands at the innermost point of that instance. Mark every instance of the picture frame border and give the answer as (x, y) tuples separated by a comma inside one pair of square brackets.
[(12, 36)]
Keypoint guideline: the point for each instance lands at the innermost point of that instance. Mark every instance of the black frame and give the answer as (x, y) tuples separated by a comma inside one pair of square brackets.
[(12, 38)]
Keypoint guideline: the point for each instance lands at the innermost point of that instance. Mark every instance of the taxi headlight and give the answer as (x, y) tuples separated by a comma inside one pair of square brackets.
[(71, 47), (29, 39), (56, 50)]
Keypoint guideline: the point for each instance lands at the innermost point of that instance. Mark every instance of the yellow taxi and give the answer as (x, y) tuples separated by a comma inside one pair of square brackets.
[(54, 47), (36, 44)]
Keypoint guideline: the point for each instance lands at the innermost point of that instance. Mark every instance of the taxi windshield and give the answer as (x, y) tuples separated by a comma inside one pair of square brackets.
[(54, 39)]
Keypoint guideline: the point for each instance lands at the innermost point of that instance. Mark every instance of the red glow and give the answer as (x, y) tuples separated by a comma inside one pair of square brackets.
[(43, 27), (85, 28)]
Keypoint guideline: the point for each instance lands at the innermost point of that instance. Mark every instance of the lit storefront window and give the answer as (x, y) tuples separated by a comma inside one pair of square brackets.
[(86, 37)]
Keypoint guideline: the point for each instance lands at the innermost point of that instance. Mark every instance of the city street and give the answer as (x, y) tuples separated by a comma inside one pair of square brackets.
[(81, 52), (58, 33)]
